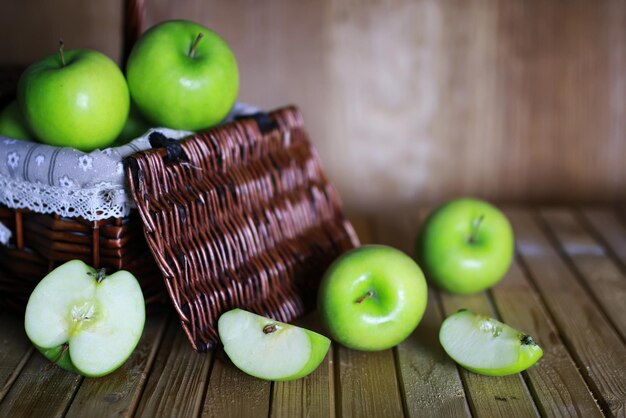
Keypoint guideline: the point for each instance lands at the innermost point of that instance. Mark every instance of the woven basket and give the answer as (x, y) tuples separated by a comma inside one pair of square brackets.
[(240, 216)]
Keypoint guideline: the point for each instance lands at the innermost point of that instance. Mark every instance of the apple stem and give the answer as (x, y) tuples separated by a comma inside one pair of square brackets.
[(268, 329), (368, 295), (59, 357), (192, 50), (527, 340), (61, 45), (100, 275), (475, 225)]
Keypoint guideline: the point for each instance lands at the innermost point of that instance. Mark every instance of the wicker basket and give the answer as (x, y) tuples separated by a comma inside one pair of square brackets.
[(240, 216)]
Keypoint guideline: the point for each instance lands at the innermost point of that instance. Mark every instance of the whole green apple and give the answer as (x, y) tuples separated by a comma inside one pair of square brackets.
[(12, 123), (465, 246), (372, 298), (182, 75), (76, 98)]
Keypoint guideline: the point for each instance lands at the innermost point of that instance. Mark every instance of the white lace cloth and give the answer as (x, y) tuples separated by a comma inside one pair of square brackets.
[(68, 182)]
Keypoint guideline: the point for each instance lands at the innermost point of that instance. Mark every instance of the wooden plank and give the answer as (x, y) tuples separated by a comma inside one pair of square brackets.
[(177, 381), (594, 344), (15, 350), (311, 396), (556, 384), (429, 379), (599, 273), (118, 394), (611, 231), (505, 396), (367, 385), (232, 393), (40, 392)]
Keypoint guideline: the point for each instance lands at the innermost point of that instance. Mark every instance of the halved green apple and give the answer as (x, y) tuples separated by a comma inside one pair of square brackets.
[(268, 349), (85, 321), (487, 346)]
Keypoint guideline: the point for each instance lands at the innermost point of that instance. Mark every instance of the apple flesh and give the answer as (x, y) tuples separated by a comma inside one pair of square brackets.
[(12, 123), (487, 346), (465, 246), (268, 349), (372, 298), (84, 321)]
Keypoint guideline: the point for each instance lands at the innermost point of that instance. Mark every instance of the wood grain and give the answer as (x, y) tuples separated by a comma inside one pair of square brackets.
[(609, 229), (15, 350), (118, 394), (39, 391), (178, 378), (418, 100), (429, 379), (594, 344), (232, 393), (597, 271), (556, 384)]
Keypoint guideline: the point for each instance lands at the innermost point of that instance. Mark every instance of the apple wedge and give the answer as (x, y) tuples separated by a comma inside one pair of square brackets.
[(85, 321), (268, 349), (487, 346)]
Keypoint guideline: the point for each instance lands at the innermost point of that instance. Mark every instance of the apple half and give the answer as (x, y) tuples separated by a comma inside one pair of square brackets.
[(487, 346), (84, 321), (268, 349)]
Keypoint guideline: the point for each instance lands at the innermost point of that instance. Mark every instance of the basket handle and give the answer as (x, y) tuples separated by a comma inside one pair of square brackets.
[(134, 21)]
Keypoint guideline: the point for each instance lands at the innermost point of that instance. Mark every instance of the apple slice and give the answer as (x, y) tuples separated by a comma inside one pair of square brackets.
[(268, 349), (487, 346), (85, 321)]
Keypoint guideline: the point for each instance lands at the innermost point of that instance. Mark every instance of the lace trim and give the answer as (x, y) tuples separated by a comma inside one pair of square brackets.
[(92, 204)]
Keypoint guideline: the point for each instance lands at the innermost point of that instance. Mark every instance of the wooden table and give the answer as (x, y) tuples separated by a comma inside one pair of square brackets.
[(567, 288)]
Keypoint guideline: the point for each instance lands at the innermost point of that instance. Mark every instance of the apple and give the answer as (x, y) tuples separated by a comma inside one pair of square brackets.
[(136, 125), (182, 75), (85, 321), (268, 349), (487, 346), (372, 298), (465, 246), (12, 124), (76, 98)]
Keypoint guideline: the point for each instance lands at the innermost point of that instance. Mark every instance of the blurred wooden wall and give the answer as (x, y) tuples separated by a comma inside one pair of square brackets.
[(409, 101)]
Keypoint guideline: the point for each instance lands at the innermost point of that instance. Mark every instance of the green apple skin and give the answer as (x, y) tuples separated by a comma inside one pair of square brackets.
[(396, 303), (526, 351), (136, 125), (454, 261), (12, 123), (266, 348), (179, 90), (43, 316), (82, 104)]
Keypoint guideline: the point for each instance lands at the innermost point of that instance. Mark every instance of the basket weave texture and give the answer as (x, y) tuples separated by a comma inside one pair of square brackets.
[(239, 216)]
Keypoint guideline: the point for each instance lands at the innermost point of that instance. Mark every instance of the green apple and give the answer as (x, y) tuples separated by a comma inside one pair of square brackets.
[(465, 246), (85, 321), (182, 75), (268, 349), (136, 125), (12, 124), (77, 98), (372, 298), (487, 346)]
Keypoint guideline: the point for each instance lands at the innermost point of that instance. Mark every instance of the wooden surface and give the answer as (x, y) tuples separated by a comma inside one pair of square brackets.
[(565, 288), (419, 100)]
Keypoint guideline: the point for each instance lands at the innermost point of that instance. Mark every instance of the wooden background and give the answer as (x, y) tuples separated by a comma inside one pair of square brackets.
[(409, 101)]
